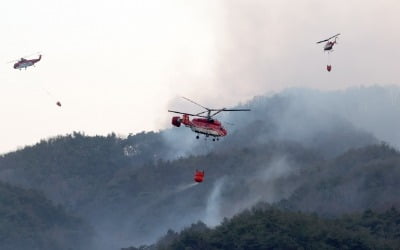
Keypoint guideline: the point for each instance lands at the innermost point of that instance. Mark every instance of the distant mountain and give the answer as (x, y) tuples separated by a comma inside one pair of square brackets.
[(301, 149), (30, 221)]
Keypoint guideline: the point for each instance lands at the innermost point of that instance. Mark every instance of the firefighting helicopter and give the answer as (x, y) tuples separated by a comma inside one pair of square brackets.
[(24, 63), (329, 47), (206, 124)]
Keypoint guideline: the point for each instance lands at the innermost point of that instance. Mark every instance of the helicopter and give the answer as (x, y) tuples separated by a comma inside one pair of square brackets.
[(24, 63), (205, 124), (329, 45)]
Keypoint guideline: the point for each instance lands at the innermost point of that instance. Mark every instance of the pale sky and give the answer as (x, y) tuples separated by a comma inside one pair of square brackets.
[(118, 65)]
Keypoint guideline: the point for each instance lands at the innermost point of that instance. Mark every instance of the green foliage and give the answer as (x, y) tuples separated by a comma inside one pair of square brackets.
[(270, 228), (364, 178), (134, 188), (30, 221), (72, 169), (126, 185)]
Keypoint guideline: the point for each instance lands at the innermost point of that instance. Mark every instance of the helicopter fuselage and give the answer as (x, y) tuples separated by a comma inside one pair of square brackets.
[(207, 127), (24, 63), (203, 126), (329, 46)]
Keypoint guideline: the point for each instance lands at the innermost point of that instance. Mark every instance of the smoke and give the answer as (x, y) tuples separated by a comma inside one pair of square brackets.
[(182, 142), (371, 109), (265, 182), (269, 182), (184, 187), (259, 47), (265, 46), (329, 121), (142, 225), (213, 215)]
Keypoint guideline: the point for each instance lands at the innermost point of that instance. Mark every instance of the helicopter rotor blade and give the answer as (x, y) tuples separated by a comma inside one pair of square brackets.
[(323, 41), (224, 109), (207, 110), (236, 109), (329, 38), (183, 113), (335, 36), (37, 53), (219, 111), (194, 102), (201, 113)]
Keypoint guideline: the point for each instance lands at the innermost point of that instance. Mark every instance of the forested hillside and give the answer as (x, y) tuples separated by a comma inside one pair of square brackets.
[(359, 179), (293, 150), (270, 228), (30, 221)]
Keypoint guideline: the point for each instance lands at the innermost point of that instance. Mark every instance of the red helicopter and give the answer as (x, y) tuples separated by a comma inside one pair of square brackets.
[(24, 63), (199, 176), (205, 124)]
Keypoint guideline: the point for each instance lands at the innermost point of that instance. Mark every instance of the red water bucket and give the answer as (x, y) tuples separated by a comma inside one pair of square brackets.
[(329, 68)]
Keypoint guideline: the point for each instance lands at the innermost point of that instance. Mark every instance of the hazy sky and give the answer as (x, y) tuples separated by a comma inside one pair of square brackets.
[(118, 65)]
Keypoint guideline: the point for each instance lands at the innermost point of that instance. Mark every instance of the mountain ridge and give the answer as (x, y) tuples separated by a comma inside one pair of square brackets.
[(133, 189)]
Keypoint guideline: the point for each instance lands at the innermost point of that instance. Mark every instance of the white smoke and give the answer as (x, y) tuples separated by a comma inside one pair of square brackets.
[(213, 214), (265, 186), (185, 187)]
